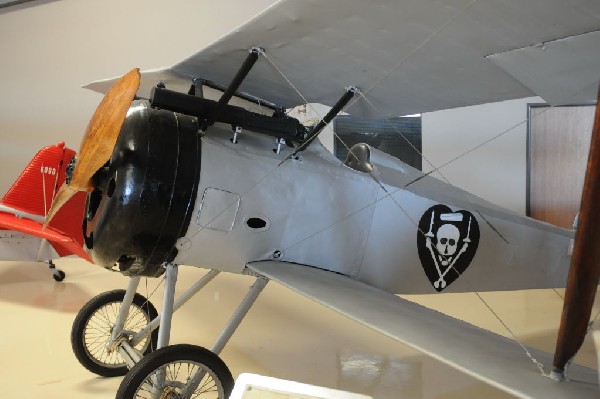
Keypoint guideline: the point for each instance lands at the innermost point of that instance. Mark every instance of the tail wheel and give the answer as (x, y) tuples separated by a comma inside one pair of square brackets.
[(166, 373), (92, 329), (59, 275)]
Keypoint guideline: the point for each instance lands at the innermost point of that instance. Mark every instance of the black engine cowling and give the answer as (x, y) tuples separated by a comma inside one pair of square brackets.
[(144, 196)]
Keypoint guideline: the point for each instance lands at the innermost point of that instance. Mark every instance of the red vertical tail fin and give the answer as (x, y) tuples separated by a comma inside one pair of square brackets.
[(33, 191)]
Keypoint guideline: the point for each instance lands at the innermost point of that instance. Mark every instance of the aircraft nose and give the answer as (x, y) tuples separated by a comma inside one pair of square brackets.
[(140, 202)]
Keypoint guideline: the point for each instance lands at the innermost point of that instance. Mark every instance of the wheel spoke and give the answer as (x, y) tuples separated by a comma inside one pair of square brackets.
[(98, 332), (93, 329), (169, 378)]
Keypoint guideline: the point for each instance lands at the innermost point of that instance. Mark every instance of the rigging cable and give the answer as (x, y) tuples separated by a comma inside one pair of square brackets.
[(389, 193)]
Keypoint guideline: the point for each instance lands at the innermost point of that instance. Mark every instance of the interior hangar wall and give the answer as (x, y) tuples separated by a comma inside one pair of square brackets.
[(56, 46), (490, 142), (51, 48), (496, 171)]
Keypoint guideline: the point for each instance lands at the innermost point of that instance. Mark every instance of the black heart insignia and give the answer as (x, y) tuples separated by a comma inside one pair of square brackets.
[(447, 241)]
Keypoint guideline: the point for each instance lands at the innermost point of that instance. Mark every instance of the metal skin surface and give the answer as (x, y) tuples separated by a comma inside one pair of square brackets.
[(321, 213), (150, 207), (316, 211), (387, 226), (14, 245), (410, 56), (142, 197)]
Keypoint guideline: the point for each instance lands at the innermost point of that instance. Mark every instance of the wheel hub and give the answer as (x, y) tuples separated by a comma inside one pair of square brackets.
[(172, 390)]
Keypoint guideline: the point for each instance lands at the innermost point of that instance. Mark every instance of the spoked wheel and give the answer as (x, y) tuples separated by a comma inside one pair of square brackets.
[(166, 373), (93, 326)]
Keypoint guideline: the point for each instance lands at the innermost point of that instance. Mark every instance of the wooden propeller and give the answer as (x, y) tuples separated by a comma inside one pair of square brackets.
[(100, 138), (584, 273)]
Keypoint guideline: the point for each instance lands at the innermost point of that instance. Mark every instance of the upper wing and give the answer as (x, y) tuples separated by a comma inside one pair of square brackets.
[(62, 243), (491, 358), (405, 56)]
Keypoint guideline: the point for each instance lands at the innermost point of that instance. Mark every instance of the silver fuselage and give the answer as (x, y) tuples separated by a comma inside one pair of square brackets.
[(316, 211)]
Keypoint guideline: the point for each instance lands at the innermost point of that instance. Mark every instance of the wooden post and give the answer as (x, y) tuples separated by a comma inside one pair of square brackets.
[(585, 262)]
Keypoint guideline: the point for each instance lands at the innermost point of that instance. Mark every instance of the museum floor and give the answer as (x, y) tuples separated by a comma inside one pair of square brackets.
[(284, 335)]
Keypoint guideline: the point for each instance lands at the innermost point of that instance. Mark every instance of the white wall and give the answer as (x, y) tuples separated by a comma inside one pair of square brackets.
[(497, 170), (50, 49)]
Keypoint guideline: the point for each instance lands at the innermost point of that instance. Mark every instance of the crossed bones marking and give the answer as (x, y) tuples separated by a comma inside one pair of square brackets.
[(441, 282)]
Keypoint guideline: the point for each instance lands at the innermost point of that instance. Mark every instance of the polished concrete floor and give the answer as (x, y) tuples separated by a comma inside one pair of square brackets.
[(284, 335)]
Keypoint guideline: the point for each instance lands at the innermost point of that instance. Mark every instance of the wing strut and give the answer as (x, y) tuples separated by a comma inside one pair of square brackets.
[(585, 266), (234, 85), (333, 112)]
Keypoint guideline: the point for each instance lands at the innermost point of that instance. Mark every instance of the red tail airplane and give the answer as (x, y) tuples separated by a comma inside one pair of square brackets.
[(24, 207)]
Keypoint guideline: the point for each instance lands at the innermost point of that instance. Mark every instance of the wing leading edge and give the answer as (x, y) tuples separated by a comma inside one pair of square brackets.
[(491, 358), (406, 56)]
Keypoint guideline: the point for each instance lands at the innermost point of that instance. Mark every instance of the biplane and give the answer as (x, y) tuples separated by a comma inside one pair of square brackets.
[(200, 164), (24, 207)]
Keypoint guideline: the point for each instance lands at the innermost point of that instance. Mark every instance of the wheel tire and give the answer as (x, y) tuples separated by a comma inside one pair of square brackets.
[(171, 359), (59, 275), (103, 309)]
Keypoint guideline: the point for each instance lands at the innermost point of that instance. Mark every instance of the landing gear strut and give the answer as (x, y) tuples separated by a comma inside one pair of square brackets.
[(92, 332), (177, 371)]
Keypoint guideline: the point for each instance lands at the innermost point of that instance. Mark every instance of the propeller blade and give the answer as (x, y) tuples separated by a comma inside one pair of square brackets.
[(100, 138)]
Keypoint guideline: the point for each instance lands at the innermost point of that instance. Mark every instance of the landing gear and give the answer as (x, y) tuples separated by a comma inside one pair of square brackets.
[(57, 274), (114, 342), (178, 371), (94, 326)]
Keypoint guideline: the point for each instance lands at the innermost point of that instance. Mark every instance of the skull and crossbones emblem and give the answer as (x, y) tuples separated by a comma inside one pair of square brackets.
[(447, 238), (447, 242)]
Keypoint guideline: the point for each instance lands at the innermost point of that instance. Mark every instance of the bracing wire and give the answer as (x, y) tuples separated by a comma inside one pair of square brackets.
[(403, 60), (395, 128), (149, 295), (388, 193), (391, 193)]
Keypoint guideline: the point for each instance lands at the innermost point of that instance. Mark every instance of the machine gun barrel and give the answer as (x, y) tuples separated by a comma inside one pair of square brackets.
[(276, 126)]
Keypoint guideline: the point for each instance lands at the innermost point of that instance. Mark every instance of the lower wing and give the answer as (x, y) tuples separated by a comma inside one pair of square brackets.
[(496, 360), (62, 243)]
